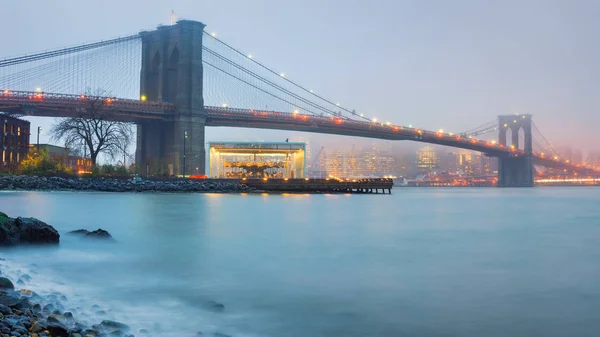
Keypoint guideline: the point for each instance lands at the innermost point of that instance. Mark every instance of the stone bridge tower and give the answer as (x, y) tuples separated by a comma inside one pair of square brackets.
[(172, 72), (516, 170)]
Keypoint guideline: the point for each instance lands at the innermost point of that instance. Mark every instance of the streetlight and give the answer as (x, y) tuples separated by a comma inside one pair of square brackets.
[(184, 138), (38, 139)]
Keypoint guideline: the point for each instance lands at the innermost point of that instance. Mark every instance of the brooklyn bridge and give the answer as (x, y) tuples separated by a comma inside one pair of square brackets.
[(160, 80)]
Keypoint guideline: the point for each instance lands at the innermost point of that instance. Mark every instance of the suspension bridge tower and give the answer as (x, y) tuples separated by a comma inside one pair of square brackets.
[(172, 72), (516, 169)]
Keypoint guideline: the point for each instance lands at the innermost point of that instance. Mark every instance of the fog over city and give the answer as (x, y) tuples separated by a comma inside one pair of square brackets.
[(433, 65)]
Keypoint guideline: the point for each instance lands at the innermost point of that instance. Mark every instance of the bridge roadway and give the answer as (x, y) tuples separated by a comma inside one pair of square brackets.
[(127, 110)]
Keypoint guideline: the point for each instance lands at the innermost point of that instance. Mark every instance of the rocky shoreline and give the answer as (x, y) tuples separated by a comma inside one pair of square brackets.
[(26, 313), (35, 183), (23, 312)]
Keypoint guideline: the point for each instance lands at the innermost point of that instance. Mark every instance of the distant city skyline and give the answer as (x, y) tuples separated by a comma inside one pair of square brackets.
[(450, 66)]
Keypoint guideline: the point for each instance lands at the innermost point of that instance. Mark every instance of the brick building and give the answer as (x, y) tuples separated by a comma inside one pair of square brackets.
[(14, 143), (63, 155)]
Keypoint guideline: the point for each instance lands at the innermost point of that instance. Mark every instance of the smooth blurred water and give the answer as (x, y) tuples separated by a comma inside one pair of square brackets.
[(419, 262)]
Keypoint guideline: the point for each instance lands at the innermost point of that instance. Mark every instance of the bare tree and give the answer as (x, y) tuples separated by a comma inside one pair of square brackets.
[(95, 126)]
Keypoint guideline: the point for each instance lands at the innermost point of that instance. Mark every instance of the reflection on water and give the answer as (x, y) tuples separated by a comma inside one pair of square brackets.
[(420, 262)]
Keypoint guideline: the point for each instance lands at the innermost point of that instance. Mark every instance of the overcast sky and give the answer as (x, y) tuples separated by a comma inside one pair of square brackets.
[(430, 63)]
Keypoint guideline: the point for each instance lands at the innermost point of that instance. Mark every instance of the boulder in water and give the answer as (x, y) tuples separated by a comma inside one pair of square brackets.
[(215, 306), (79, 232), (26, 230), (99, 234), (32, 230), (6, 283)]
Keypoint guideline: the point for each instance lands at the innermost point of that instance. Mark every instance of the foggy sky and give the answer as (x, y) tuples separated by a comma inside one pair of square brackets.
[(433, 64)]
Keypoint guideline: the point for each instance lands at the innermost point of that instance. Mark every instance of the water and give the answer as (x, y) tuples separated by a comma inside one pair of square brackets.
[(421, 262)]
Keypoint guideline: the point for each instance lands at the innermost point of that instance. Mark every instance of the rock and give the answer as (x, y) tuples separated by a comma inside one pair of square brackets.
[(26, 230), (57, 329), (54, 318), (6, 283), (48, 308), (4, 309), (113, 325), (33, 230), (38, 326), (215, 306), (9, 234), (79, 232), (99, 234)]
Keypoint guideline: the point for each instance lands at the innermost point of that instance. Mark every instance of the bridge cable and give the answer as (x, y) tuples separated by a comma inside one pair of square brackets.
[(270, 83), (284, 78), (64, 51), (254, 86)]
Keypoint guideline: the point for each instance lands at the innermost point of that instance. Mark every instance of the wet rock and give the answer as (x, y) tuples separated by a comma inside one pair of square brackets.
[(99, 234), (6, 283), (57, 329), (5, 310), (113, 325), (48, 308), (38, 326), (33, 230), (80, 232), (26, 230), (215, 306)]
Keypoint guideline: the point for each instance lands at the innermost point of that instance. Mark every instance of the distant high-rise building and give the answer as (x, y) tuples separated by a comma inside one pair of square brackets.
[(427, 159)]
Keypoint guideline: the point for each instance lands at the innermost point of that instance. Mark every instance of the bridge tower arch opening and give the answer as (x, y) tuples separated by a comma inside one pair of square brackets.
[(152, 80), (172, 72), (172, 77), (516, 168)]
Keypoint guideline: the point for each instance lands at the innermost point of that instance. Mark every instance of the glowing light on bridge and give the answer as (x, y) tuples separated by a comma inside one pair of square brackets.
[(143, 98), (249, 56), (224, 105), (311, 91), (374, 120), (213, 34), (282, 75), (38, 89), (362, 115), (338, 104)]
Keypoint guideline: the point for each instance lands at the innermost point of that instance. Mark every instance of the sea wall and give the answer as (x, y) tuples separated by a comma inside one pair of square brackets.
[(35, 183)]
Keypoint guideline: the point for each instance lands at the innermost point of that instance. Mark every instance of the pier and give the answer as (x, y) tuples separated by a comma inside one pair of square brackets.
[(354, 186)]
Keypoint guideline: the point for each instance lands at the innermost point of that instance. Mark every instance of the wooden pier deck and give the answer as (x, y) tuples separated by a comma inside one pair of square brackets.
[(357, 186)]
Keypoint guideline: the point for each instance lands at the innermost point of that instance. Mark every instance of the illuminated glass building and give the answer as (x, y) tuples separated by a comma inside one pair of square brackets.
[(257, 160)]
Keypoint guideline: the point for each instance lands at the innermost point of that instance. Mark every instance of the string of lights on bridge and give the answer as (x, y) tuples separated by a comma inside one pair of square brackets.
[(38, 94)]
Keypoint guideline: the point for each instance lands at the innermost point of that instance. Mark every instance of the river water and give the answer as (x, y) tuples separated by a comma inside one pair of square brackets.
[(419, 262)]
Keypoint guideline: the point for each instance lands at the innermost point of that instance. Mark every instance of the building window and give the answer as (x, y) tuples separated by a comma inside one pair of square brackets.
[(18, 131), (5, 127), (12, 129), (3, 156), (18, 157)]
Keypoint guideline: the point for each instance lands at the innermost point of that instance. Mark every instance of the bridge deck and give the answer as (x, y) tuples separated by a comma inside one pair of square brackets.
[(128, 110)]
